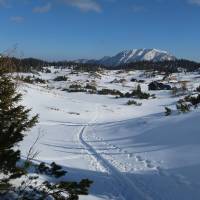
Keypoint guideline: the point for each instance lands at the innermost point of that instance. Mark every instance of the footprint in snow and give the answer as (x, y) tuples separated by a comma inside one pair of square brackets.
[(149, 164), (125, 152), (162, 172), (139, 158), (181, 179), (130, 155), (114, 146)]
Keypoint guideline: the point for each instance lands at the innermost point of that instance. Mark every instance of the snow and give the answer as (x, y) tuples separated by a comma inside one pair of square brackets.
[(133, 55), (130, 152)]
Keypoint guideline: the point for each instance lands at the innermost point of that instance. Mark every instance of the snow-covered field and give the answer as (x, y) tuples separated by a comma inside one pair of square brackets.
[(130, 152)]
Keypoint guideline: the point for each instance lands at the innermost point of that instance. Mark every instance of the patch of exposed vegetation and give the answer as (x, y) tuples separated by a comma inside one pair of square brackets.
[(60, 78), (32, 79), (133, 102)]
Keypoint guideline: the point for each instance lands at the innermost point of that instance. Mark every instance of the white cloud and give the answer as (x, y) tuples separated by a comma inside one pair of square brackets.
[(3, 3), (85, 5), (195, 2), (17, 19), (43, 9)]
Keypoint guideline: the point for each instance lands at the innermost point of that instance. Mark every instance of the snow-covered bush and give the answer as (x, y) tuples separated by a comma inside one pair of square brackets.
[(31, 79), (198, 89), (183, 107), (133, 102), (137, 93), (110, 92), (60, 78), (90, 87), (168, 111)]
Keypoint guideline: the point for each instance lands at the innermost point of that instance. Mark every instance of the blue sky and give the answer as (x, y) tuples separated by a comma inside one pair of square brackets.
[(71, 29)]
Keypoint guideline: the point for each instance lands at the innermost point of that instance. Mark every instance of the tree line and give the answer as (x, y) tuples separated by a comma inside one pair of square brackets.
[(30, 64), (165, 66)]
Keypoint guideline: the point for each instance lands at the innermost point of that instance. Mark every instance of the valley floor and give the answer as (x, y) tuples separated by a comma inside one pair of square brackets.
[(130, 152)]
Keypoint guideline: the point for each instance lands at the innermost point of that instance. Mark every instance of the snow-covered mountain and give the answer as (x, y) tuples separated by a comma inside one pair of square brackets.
[(134, 55), (81, 61), (137, 55)]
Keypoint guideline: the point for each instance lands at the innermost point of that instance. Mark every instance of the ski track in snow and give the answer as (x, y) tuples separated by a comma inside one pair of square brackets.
[(126, 187), (140, 163)]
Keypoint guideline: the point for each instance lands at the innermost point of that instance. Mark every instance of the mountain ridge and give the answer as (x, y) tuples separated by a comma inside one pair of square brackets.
[(133, 55)]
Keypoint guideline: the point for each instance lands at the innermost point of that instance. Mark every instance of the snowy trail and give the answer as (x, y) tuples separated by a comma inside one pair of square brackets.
[(124, 186)]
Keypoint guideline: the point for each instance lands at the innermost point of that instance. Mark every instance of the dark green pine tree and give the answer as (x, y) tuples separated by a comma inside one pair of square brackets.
[(14, 121)]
